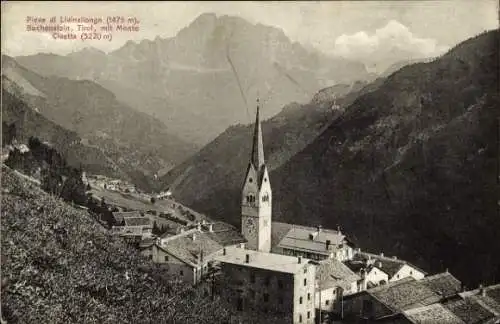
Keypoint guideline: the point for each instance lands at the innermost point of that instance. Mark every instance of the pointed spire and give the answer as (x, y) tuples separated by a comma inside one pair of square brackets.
[(258, 145)]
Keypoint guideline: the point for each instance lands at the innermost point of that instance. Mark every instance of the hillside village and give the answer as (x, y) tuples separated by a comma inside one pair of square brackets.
[(305, 274), (373, 202)]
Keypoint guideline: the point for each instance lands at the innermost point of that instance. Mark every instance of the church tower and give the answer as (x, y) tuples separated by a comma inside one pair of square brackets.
[(256, 197)]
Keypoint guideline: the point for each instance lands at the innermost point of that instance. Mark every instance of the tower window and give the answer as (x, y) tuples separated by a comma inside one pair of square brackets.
[(250, 180)]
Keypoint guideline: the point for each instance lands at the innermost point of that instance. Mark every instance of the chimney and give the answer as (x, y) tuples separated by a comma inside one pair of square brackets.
[(328, 242), (224, 251), (382, 254), (203, 222), (300, 259), (482, 291), (379, 264), (194, 236), (210, 227), (318, 228), (395, 257), (198, 226), (242, 245), (247, 258), (358, 250)]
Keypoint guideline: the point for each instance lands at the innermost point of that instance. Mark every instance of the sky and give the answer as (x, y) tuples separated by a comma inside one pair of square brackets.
[(358, 29)]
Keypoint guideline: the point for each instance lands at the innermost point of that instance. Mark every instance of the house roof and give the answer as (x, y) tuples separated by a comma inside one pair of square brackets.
[(387, 264), (434, 313), (487, 297), (137, 221), (404, 294), (308, 239), (444, 284), (224, 234), (470, 311), (333, 273), (188, 248), (262, 260), (119, 216)]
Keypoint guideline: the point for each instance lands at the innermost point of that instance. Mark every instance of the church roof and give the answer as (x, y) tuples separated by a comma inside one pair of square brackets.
[(257, 143)]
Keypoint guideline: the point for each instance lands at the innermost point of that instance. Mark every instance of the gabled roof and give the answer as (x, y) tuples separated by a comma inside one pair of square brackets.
[(404, 294), (119, 216), (189, 249), (262, 260), (224, 234), (305, 238), (470, 311), (333, 273), (444, 284), (434, 313), (391, 266)]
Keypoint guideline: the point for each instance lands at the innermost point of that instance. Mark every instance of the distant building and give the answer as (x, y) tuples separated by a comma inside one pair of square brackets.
[(334, 281), (266, 282), (488, 298), (400, 295), (132, 226), (378, 269)]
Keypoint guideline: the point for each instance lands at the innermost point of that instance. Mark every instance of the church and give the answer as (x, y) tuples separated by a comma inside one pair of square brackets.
[(262, 234)]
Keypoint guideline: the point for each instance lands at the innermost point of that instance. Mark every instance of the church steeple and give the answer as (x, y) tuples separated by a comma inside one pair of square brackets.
[(258, 145)]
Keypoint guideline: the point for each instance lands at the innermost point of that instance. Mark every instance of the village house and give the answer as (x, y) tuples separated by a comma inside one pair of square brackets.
[(484, 300), (334, 281), (132, 225), (400, 295), (379, 269), (188, 255), (269, 283)]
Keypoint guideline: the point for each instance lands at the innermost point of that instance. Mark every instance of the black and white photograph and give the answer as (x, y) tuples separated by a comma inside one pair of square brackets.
[(250, 162)]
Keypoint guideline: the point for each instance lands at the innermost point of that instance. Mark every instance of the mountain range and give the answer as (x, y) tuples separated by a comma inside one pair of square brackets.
[(407, 165), (133, 144), (208, 76)]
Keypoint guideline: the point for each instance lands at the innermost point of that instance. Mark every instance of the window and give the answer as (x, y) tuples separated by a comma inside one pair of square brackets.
[(327, 302), (397, 276), (181, 273), (305, 282), (266, 297), (308, 296), (300, 300), (166, 258), (252, 278), (267, 281), (411, 273), (308, 315), (300, 318), (280, 300), (280, 284), (305, 270), (250, 180)]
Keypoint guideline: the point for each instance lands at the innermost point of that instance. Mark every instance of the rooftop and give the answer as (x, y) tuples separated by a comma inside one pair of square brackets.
[(470, 311), (190, 246), (333, 273), (224, 234), (404, 294), (119, 216), (435, 313), (311, 239), (137, 221), (487, 297), (390, 265), (262, 260), (444, 284)]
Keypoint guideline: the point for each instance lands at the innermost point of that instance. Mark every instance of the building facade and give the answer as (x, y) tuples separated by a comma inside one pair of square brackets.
[(257, 281)]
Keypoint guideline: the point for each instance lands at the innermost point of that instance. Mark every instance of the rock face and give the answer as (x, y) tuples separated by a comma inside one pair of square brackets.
[(189, 81)]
